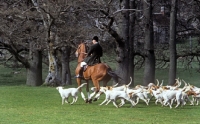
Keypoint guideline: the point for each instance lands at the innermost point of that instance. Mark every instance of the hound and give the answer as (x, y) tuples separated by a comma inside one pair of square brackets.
[(66, 93), (113, 95)]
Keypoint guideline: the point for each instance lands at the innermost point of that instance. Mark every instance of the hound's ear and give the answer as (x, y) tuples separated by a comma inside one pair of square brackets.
[(150, 91), (131, 93)]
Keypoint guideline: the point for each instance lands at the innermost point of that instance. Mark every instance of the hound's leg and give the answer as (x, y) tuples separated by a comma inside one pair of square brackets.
[(197, 101), (132, 103), (66, 100), (104, 101), (108, 102), (122, 103), (145, 101), (83, 96), (63, 100), (80, 90), (76, 98), (114, 103), (178, 103), (156, 102), (169, 103), (137, 100), (73, 100)]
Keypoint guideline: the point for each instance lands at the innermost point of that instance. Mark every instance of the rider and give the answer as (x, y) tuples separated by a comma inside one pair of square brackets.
[(93, 55)]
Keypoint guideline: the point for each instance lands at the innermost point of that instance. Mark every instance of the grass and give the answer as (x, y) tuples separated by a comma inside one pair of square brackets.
[(20, 104), (30, 105)]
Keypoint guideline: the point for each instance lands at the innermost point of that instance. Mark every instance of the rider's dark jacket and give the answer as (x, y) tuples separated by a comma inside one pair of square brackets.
[(94, 54)]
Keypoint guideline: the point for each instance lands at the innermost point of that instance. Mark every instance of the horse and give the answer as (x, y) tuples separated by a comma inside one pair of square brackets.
[(96, 73)]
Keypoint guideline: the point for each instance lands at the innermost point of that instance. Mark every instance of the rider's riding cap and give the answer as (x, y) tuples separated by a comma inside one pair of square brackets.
[(95, 38)]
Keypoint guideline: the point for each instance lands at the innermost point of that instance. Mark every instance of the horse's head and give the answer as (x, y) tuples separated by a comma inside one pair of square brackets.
[(78, 51), (81, 50)]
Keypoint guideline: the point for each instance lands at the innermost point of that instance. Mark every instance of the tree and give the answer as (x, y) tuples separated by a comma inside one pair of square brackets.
[(172, 43), (123, 46), (60, 22), (41, 26), (19, 30), (131, 38), (114, 18), (149, 69)]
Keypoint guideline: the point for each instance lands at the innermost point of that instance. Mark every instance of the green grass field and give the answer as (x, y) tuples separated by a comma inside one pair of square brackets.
[(21, 104)]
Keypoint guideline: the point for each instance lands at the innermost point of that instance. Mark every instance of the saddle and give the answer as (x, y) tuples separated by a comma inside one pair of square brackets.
[(86, 66)]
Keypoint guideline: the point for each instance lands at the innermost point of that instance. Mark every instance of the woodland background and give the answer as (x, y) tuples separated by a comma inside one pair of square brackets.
[(148, 34)]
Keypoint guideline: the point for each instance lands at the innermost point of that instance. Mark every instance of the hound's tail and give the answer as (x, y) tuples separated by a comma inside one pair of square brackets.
[(81, 86), (130, 82)]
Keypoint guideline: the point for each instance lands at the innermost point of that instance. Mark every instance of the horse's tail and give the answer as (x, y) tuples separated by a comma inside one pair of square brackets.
[(81, 86), (113, 75)]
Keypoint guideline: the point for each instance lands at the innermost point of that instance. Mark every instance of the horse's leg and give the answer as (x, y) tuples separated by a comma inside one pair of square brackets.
[(92, 94), (80, 90), (88, 93), (97, 96), (96, 84), (99, 93)]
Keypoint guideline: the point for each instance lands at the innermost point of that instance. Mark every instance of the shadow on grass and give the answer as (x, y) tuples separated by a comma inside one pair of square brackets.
[(10, 79)]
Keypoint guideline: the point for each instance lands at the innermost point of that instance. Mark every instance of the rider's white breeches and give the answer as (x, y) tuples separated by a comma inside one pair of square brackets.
[(83, 63)]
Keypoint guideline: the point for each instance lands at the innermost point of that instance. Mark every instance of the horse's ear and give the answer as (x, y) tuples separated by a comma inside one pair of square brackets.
[(80, 42)]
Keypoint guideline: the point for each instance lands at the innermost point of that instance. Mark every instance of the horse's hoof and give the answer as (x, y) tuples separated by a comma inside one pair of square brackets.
[(90, 101), (86, 101), (95, 99)]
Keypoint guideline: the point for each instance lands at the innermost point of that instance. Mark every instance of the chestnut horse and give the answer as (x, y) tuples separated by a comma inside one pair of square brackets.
[(96, 73)]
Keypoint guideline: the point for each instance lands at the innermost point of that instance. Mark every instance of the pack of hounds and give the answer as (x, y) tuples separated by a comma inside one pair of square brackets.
[(165, 95)]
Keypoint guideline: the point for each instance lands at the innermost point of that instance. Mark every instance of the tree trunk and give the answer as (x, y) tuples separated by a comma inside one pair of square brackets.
[(172, 43), (66, 74), (149, 70), (123, 49), (131, 41), (34, 70), (52, 78)]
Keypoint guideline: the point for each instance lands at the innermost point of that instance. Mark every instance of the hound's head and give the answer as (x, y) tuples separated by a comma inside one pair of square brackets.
[(150, 91), (93, 89), (189, 93), (131, 94), (108, 88), (165, 87), (103, 89), (59, 87)]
